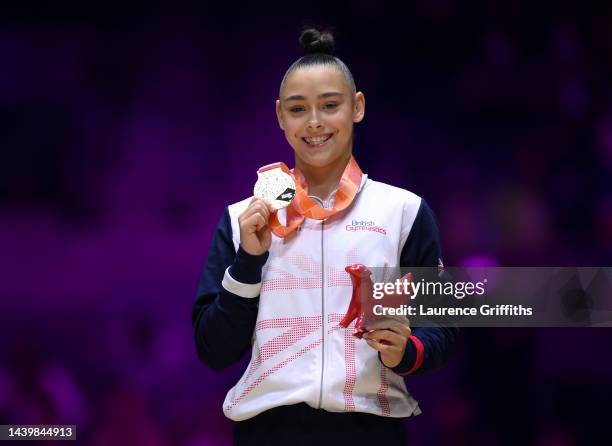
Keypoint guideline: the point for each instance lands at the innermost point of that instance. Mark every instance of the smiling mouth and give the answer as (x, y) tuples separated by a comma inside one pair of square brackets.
[(317, 141)]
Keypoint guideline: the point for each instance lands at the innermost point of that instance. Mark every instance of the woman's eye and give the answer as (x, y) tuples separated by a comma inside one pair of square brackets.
[(296, 109), (331, 105)]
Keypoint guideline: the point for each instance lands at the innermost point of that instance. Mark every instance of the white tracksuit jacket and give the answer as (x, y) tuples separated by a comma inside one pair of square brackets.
[(286, 306)]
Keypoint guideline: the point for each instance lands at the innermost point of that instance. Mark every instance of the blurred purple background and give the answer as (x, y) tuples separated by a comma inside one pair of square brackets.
[(126, 130)]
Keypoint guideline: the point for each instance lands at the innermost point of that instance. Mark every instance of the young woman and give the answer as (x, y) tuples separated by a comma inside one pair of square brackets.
[(281, 291)]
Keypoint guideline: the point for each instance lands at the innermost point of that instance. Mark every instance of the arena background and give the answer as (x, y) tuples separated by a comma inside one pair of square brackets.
[(125, 130)]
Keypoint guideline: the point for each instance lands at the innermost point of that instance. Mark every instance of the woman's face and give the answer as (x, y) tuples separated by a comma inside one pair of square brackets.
[(317, 110)]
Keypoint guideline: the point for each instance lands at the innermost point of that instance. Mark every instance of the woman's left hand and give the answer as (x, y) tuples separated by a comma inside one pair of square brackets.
[(389, 337)]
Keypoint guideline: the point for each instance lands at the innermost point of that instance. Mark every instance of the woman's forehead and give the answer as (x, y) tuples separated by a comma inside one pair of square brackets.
[(314, 80)]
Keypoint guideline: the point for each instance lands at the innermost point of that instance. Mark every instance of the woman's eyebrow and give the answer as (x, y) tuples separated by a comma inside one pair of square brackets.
[(331, 94), (299, 97)]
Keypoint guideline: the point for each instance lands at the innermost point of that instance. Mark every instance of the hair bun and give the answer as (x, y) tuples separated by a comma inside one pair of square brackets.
[(314, 41)]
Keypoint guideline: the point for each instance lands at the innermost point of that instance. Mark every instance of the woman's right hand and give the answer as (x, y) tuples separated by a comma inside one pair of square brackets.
[(255, 234)]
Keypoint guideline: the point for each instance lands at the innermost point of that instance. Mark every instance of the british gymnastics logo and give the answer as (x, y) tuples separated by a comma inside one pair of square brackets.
[(365, 225)]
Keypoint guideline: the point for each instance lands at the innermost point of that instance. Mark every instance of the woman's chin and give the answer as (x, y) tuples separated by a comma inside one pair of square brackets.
[(320, 159), (317, 162)]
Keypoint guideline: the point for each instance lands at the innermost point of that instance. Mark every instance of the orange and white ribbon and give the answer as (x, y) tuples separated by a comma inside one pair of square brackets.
[(302, 206)]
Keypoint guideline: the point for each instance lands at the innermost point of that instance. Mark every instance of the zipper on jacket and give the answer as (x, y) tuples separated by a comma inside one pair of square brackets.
[(323, 326), (322, 313)]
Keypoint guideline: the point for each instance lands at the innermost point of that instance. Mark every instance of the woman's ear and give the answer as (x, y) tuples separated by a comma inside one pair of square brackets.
[(279, 115), (359, 108)]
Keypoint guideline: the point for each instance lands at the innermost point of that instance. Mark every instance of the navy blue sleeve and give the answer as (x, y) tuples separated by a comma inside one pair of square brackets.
[(224, 322), (422, 249)]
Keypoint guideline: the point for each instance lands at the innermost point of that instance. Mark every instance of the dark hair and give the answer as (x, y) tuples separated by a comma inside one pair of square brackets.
[(319, 49)]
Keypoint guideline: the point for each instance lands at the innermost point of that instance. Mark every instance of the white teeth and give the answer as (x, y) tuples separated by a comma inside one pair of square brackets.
[(317, 140)]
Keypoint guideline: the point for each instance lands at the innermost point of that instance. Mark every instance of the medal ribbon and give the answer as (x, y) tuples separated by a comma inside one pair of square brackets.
[(303, 206)]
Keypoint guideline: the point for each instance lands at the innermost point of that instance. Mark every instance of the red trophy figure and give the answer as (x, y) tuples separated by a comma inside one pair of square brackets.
[(363, 301)]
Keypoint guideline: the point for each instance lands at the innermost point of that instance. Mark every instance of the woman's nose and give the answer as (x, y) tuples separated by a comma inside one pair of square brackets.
[(314, 124), (313, 121)]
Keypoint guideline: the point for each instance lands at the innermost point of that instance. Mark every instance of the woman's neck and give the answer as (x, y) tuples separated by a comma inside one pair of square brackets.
[(322, 181)]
